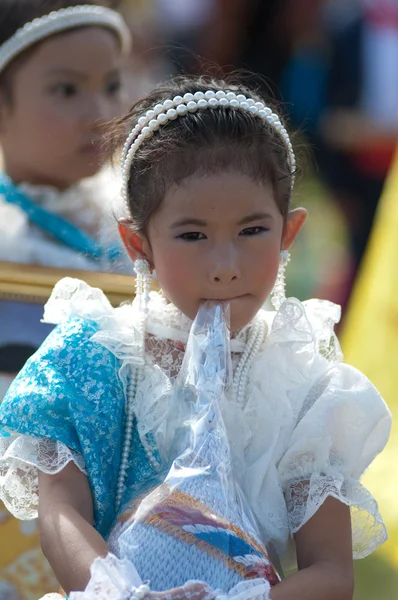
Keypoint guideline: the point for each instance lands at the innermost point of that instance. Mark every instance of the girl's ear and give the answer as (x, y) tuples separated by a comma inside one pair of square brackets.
[(294, 222), (136, 245)]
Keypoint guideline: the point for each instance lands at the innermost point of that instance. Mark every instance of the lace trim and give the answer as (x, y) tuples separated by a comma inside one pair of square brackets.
[(305, 497), (114, 579), (21, 458), (111, 579), (323, 316)]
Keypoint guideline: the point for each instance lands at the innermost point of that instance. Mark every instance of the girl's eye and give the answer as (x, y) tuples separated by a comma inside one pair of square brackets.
[(65, 90), (113, 87), (192, 236), (250, 231)]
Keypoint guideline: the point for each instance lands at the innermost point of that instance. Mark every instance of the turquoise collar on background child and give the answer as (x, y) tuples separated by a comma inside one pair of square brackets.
[(56, 226)]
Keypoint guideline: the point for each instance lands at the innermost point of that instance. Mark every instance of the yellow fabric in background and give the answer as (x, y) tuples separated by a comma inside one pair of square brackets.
[(24, 572), (370, 343)]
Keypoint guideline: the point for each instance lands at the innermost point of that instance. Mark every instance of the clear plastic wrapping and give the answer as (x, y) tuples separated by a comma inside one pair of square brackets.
[(197, 525)]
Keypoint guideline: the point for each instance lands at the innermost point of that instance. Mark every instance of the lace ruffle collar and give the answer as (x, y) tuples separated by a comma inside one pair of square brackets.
[(316, 318)]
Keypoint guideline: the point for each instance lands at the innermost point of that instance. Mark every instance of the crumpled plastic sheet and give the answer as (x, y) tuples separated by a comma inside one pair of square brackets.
[(197, 519)]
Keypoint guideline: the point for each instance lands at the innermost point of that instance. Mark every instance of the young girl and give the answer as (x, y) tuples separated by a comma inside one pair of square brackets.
[(208, 171), (60, 81)]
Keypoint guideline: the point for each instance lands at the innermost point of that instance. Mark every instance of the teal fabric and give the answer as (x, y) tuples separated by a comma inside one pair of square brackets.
[(70, 391)]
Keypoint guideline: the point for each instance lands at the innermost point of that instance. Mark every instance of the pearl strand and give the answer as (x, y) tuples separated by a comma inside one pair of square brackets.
[(256, 338), (143, 288), (128, 435)]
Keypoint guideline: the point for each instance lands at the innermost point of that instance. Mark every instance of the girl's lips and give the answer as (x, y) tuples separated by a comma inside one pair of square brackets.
[(230, 299)]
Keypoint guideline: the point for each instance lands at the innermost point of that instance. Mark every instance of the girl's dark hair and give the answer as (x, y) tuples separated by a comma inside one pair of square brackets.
[(15, 13), (205, 142)]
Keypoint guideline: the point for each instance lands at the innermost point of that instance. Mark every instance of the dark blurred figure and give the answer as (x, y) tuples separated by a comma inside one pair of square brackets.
[(342, 88), (275, 28), (361, 118), (358, 130), (257, 35)]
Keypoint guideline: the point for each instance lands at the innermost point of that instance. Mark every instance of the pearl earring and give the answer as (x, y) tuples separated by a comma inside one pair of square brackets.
[(143, 284), (278, 295)]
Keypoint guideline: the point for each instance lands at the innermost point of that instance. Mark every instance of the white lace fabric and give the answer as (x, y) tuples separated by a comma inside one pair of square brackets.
[(21, 457), (304, 497), (114, 579), (309, 428), (87, 204)]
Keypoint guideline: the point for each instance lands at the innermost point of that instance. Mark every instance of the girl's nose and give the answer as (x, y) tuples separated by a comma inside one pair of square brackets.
[(95, 113), (224, 268)]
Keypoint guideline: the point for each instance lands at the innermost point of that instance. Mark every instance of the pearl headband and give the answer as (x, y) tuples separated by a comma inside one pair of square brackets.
[(180, 106), (61, 20)]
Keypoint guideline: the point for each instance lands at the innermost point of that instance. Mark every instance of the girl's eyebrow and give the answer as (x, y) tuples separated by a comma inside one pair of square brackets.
[(188, 221), (193, 221), (254, 217), (69, 72), (66, 71)]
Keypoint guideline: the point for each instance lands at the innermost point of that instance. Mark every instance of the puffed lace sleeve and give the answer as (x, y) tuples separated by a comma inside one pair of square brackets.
[(342, 425), (65, 405)]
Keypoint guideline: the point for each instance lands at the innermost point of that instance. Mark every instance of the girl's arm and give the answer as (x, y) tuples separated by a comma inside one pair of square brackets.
[(324, 554), (68, 538)]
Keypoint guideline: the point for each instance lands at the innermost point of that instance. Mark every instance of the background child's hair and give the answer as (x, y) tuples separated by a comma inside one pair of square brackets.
[(205, 142), (15, 13)]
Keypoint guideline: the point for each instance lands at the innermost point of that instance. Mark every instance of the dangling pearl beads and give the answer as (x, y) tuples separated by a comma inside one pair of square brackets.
[(256, 338), (278, 294), (143, 285), (143, 288), (128, 434)]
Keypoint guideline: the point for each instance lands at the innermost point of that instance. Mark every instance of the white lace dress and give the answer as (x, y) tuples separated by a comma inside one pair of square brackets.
[(309, 427)]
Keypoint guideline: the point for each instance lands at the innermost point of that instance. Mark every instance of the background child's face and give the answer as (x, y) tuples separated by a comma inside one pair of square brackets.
[(217, 237), (61, 97)]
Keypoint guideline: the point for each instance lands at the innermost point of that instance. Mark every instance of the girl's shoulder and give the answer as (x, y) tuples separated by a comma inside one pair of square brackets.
[(89, 330), (74, 298), (301, 360), (72, 373)]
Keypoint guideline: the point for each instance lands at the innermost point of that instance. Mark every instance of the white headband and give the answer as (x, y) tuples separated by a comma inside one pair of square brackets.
[(61, 20), (189, 103)]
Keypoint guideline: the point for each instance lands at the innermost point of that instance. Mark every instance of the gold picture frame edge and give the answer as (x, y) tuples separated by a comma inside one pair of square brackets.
[(34, 283)]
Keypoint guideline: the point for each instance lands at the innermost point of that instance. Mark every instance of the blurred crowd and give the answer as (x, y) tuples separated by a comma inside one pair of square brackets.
[(333, 64)]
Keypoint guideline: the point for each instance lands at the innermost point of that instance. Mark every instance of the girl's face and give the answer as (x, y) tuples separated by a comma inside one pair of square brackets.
[(62, 96), (219, 237)]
